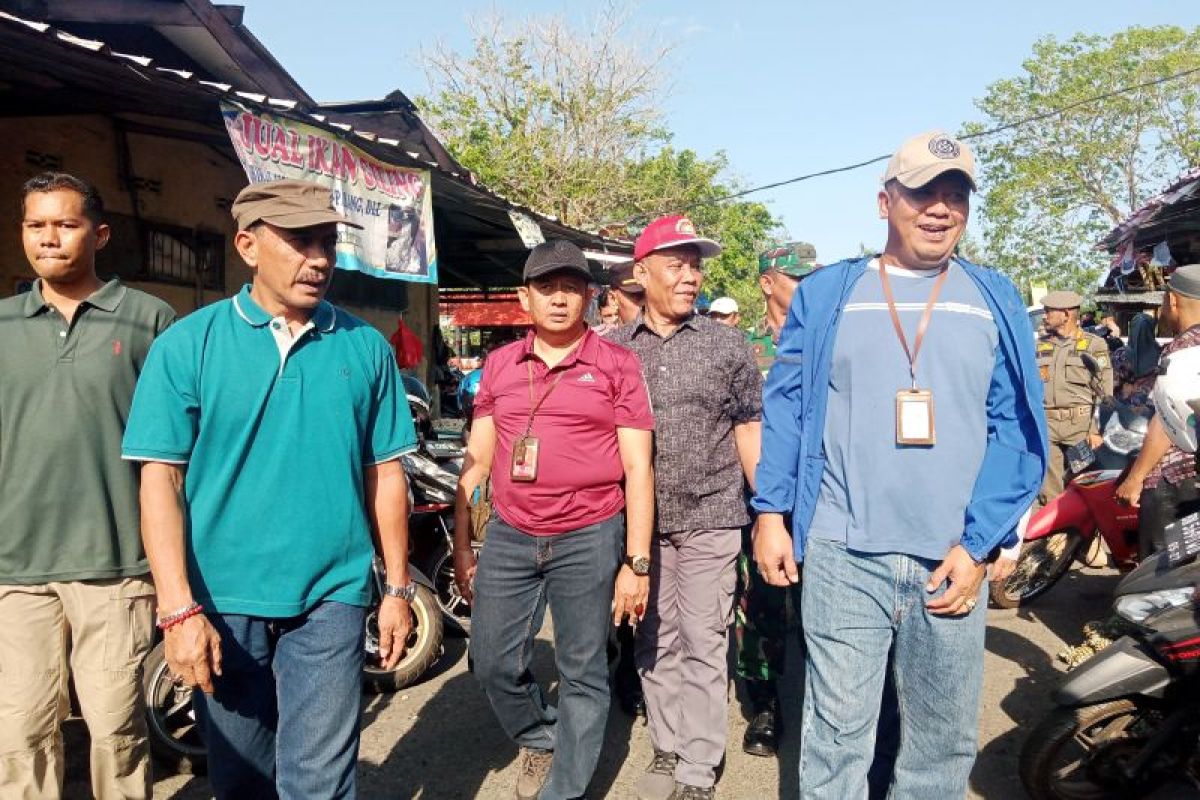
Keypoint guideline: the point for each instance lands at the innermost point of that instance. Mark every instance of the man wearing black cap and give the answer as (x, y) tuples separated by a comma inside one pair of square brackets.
[(629, 293), (1077, 372), (270, 427), (563, 426)]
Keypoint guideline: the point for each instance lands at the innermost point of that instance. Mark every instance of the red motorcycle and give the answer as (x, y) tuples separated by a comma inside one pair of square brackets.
[(1063, 529)]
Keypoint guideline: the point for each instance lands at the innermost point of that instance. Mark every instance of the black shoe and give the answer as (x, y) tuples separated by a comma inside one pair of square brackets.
[(631, 700), (762, 736)]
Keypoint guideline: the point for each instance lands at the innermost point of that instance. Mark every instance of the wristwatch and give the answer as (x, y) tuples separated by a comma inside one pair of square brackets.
[(639, 564), (406, 593)]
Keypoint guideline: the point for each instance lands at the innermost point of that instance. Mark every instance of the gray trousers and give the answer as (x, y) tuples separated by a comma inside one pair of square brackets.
[(682, 644)]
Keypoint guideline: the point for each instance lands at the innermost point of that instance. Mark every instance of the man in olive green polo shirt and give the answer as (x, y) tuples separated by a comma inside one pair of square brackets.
[(73, 575)]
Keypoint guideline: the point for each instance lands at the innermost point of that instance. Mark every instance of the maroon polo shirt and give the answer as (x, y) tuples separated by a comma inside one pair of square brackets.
[(579, 465)]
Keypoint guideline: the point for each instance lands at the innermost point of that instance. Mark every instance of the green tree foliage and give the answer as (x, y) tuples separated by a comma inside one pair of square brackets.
[(569, 122), (1054, 187)]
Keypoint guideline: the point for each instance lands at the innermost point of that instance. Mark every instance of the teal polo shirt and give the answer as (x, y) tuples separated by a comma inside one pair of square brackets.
[(275, 431)]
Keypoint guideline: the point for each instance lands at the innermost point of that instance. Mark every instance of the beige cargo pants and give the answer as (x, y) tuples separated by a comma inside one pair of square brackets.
[(104, 629)]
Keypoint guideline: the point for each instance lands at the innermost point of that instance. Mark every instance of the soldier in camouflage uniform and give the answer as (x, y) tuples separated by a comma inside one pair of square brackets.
[(1077, 372), (761, 615)]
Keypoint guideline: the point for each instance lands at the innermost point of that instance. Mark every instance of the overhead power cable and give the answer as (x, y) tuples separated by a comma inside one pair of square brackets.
[(978, 135)]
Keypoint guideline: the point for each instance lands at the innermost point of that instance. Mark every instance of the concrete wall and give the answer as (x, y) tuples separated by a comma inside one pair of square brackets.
[(192, 185)]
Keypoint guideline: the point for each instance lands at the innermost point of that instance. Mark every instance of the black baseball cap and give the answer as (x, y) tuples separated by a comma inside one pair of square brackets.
[(553, 256)]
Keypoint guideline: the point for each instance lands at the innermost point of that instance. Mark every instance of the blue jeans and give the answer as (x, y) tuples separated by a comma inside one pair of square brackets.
[(283, 720), (857, 606), (518, 576)]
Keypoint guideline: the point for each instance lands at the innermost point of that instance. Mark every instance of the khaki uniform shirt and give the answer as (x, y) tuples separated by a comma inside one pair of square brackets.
[(1071, 391)]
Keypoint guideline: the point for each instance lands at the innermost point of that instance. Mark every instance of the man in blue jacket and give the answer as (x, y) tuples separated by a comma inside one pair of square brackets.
[(902, 430)]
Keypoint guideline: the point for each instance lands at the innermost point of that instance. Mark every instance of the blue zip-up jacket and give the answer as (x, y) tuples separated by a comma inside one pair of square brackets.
[(788, 478)]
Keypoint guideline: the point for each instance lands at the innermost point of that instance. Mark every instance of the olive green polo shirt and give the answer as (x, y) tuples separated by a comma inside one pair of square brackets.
[(68, 503)]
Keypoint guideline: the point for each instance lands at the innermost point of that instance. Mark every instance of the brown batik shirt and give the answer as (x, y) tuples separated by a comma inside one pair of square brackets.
[(703, 380)]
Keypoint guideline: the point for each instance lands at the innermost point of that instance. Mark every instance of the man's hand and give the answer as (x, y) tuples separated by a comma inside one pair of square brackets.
[(965, 578), (630, 595), (395, 622), (1095, 441), (1002, 569), (465, 564), (1130, 491), (773, 552), (193, 650)]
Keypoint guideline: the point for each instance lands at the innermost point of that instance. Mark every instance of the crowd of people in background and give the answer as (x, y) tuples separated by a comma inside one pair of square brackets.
[(852, 465)]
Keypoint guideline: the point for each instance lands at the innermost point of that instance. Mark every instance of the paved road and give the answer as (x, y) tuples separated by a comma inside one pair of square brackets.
[(439, 741)]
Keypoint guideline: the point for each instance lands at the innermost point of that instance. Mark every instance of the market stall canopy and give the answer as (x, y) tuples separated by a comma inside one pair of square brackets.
[(162, 68)]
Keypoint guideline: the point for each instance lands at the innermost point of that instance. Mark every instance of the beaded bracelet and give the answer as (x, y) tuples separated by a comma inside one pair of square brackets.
[(173, 619)]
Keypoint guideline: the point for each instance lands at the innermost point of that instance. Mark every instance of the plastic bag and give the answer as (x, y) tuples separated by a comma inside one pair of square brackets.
[(408, 346)]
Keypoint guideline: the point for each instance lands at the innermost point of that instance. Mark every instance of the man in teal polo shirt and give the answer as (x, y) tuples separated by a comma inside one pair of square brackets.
[(270, 426), (73, 575)]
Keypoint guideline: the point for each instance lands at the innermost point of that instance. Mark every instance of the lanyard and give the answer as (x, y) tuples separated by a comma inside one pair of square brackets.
[(533, 407), (921, 327)]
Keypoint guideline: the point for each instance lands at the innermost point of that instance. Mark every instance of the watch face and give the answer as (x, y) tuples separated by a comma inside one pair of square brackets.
[(640, 565)]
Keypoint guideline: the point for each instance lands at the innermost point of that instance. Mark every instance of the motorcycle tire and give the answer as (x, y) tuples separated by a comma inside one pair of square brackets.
[(1052, 768), (1056, 552), (456, 612), (422, 650), (175, 742)]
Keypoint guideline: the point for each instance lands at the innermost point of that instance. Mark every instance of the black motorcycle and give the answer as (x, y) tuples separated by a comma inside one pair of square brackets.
[(1127, 721)]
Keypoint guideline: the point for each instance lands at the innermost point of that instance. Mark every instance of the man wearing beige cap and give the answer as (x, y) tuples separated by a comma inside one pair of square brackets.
[(269, 428), (903, 431), (1077, 373)]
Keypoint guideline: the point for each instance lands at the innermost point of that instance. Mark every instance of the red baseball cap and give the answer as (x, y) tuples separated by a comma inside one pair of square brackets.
[(673, 231)]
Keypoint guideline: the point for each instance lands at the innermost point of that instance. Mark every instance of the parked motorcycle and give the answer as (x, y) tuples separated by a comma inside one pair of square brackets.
[(431, 531), (1127, 721), (1065, 527), (175, 739)]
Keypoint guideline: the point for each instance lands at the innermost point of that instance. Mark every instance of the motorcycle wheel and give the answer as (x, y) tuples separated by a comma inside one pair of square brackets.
[(422, 648), (455, 609), (1041, 564), (175, 741), (1080, 753)]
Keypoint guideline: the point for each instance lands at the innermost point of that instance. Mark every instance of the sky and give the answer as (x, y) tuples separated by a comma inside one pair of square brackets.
[(783, 88)]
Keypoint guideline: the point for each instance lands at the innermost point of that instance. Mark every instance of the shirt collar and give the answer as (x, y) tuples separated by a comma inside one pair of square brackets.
[(585, 351), (106, 298), (324, 318), (640, 324)]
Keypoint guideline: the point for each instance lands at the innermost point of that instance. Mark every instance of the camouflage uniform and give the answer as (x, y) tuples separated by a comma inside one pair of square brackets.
[(760, 618)]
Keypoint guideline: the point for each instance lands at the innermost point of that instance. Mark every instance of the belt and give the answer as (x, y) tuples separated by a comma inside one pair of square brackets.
[(1060, 414)]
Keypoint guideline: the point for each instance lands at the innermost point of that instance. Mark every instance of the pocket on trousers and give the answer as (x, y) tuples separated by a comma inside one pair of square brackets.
[(129, 623), (725, 589)]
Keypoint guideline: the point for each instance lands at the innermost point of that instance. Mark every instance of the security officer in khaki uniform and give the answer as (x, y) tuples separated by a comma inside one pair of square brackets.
[(1077, 372)]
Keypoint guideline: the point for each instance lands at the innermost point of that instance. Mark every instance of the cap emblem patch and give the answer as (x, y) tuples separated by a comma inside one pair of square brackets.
[(684, 225), (944, 147)]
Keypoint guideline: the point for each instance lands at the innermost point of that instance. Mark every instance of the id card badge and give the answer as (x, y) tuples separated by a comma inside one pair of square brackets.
[(914, 417), (525, 459)]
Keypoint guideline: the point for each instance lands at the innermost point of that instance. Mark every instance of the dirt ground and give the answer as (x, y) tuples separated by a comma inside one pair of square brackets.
[(438, 740)]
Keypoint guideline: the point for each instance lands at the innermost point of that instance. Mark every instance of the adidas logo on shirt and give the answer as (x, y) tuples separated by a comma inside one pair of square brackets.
[(586, 378)]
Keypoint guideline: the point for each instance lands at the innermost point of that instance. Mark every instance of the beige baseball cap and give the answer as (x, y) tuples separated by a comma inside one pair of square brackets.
[(926, 156)]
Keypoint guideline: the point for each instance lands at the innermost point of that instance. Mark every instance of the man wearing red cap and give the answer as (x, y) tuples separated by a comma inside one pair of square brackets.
[(707, 394)]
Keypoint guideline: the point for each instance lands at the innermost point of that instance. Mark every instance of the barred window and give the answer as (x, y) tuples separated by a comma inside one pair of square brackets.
[(155, 251)]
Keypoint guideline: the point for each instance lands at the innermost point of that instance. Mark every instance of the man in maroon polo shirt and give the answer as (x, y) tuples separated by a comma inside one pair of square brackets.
[(562, 419)]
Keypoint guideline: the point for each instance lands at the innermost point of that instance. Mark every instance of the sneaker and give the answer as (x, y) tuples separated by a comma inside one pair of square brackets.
[(535, 766), (658, 781), (685, 792)]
